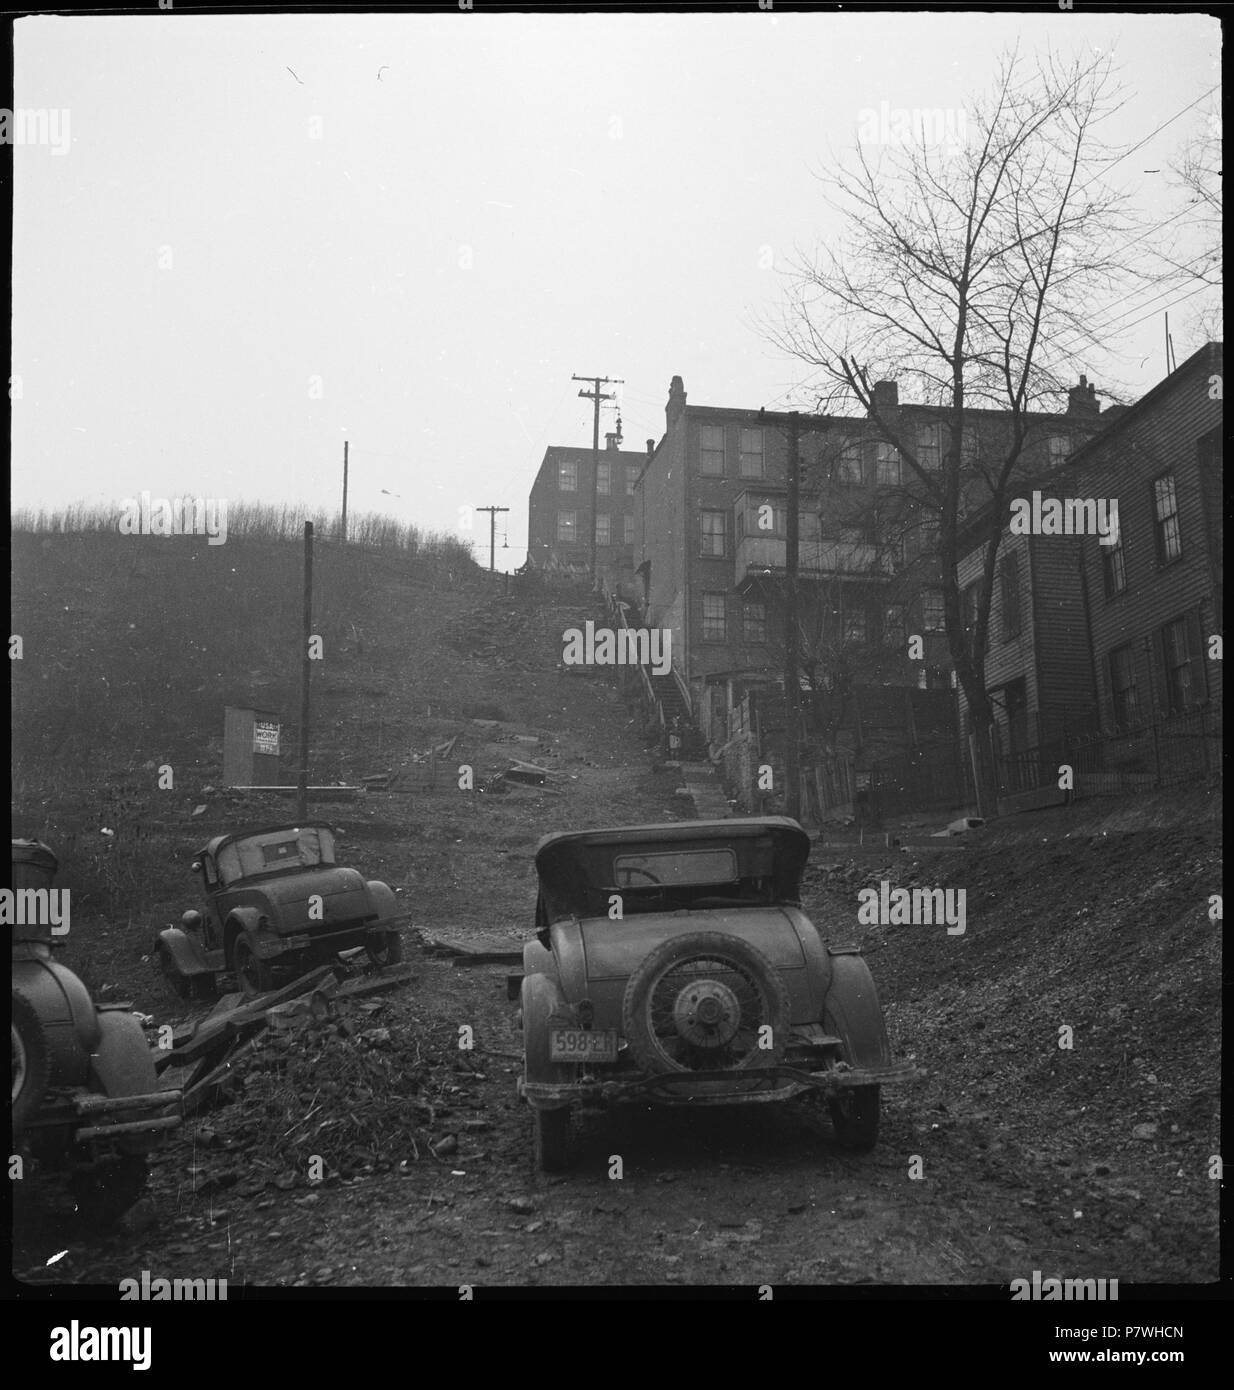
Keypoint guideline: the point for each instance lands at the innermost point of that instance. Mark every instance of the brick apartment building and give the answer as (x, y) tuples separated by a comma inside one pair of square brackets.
[(1087, 638), (711, 527), (559, 521)]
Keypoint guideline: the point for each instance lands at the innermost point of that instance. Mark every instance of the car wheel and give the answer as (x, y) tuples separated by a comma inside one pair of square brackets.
[(253, 974), (31, 1060), (705, 1001), (389, 952), (179, 984), (105, 1190), (854, 1114), (552, 1139)]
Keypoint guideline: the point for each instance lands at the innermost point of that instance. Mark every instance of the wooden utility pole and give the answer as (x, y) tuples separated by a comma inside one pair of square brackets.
[(597, 396), (792, 682), (492, 533), (305, 675), (344, 490)]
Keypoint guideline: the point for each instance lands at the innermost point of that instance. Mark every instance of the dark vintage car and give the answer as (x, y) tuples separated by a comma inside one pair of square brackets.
[(276, 902), (673, 964), (86, 1098)]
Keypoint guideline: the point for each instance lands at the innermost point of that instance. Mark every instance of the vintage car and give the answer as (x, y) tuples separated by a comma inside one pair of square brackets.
[(86, 1099), (276, 902), (673, 964)]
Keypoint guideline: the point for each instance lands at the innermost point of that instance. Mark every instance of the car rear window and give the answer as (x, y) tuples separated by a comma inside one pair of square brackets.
[(274, 851), (681, 868)]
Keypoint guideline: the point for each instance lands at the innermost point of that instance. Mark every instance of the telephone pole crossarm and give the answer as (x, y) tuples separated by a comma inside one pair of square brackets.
[(596, 395)]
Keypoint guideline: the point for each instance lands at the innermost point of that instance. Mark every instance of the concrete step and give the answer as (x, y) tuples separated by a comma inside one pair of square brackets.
[(706, 791)]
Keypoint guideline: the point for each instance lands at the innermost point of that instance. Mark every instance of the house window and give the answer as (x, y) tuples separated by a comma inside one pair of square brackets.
[(711, 450), (970, 445), (1177, 666), (1114, 567), (850, 469), (567, 526), (887, 468), (751, 453), (604, 478), (1165, 519), (629, 531), (895, 630), (929, 447), (714, 624), (1010, 595), (631, 479), (754, 621), (933, 616), (567, 477), (854, 625), (714, 532), (1123, 687), (1060, 449), (602, 528)]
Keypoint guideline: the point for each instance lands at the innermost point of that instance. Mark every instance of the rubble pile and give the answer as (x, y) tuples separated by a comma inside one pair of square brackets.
[(326, 1085)]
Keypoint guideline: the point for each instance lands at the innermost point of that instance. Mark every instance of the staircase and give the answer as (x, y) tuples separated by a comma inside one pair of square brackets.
[(668, 699)]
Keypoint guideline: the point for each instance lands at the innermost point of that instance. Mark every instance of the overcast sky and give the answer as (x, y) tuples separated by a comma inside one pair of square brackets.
[(271, 234)]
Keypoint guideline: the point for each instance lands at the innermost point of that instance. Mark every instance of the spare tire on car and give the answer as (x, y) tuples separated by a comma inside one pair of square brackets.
[(706, 1001)]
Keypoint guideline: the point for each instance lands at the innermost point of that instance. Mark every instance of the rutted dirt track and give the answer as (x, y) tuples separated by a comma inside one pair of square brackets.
[(1028, 1153)]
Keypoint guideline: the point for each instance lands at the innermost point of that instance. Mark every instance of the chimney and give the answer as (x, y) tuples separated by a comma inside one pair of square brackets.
[(1082, 399), (651, 448), (611, 440), (676, 399), (886, 395)]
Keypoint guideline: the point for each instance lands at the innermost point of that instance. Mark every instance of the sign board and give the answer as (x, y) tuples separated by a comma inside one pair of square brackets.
[(265, 738)]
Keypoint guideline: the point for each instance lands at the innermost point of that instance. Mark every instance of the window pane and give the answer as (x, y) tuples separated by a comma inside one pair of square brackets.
[(1165, 504), (754, 617), (629, 529), (604, 478), (713, 617), (711, 458), (751, 453), (567, 526), (713, 539), (567, 477), (850, 466), (888, 465)]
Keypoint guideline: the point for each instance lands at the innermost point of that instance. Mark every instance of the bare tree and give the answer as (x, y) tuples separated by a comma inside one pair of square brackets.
[(1195, 254), (968, 272)]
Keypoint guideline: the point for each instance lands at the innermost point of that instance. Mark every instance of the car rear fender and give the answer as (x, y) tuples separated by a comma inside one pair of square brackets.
[(851, 1010), (383, 902), (541, 999), (185, 949), (241, 919), (121, 1064)]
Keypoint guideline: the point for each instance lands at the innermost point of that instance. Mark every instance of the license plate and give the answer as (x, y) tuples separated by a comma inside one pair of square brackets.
[(582, 1045)]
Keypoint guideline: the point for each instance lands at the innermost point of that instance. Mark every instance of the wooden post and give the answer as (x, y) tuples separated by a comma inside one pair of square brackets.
[(792, 685), (305, 676)]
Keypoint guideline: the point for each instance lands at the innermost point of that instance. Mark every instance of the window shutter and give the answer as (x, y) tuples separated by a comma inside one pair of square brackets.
[(1195, 654), (1158, 676)]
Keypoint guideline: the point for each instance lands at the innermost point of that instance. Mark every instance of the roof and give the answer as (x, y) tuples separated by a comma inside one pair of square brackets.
[(673, 831), (1092, 450), (213, 846)]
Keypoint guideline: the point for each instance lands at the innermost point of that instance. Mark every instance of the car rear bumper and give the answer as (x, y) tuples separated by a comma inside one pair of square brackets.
[(271, 944), (722, 1087), (96, 1117)]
